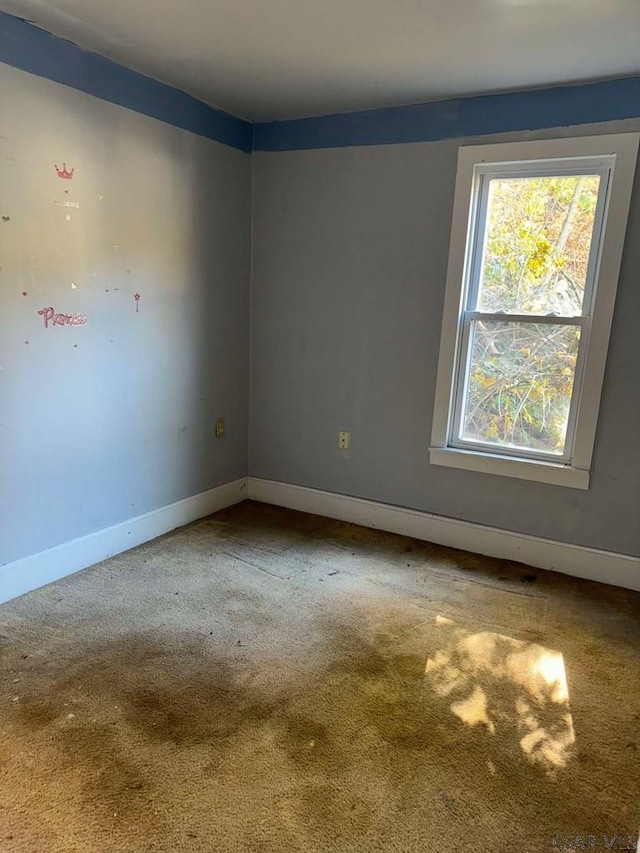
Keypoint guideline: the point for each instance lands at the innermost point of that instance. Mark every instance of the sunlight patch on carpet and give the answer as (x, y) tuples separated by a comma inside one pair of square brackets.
[(504, 684)]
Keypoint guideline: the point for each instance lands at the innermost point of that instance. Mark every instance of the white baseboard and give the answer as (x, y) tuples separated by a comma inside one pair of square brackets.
[(31, 572), (588, 563)]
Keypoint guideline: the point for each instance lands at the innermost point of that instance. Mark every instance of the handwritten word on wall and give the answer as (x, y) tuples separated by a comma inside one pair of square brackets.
[(50, 316)]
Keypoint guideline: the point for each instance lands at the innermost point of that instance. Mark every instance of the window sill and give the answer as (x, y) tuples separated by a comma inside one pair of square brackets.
[(507, 466)]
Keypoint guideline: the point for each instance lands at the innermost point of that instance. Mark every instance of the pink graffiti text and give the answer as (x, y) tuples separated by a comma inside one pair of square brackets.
[(50, 316)]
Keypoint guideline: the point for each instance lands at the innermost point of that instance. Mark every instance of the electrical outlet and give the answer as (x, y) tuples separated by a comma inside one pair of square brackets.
[(344, 439), (219, 427)]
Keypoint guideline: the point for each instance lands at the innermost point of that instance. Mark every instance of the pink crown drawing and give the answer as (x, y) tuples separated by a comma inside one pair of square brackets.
[(63, 173)]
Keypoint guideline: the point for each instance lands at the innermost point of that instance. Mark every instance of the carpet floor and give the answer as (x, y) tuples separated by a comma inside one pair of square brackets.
[(266, 680)]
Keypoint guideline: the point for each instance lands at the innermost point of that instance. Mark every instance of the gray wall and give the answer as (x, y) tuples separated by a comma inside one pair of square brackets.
[(108, 420), (349, 263), (112, 419)]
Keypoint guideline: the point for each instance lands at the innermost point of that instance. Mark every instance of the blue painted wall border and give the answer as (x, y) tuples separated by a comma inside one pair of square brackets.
[(535, 109), (25, 46), (31, 49)]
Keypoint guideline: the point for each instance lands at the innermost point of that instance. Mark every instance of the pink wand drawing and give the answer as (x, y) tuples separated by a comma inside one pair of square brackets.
[(136, 296)]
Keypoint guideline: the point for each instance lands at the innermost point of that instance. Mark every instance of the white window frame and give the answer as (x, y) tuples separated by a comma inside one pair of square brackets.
[(613, 157)]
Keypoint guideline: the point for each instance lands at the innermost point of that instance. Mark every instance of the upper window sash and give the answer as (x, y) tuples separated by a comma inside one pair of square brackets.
[(478, 215)]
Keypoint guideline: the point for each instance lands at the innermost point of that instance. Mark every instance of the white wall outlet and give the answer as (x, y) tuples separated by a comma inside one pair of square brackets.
[(344, 439)]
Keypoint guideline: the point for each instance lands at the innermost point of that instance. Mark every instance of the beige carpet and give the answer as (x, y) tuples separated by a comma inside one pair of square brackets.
[(272, 681)]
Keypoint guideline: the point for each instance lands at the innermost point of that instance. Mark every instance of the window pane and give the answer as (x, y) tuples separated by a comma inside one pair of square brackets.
[(520, 383), (537, 244)]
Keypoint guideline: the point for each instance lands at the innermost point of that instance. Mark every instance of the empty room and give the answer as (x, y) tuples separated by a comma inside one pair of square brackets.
[(319, 424)]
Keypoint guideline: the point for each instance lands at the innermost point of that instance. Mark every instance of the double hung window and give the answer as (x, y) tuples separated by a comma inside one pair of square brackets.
[(537, 238)]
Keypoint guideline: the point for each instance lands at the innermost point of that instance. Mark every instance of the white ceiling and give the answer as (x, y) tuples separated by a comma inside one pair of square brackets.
[(270, 59)]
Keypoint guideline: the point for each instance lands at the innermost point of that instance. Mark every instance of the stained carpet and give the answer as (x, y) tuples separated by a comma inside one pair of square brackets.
[(266, 680)]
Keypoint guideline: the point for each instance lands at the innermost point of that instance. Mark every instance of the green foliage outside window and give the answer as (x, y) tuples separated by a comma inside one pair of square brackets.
[(535, 261)]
